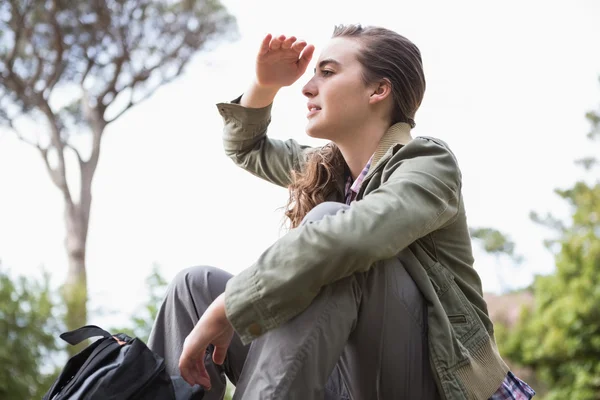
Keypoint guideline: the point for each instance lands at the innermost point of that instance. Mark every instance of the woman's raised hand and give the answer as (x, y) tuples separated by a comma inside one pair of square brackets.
[(281, 61)]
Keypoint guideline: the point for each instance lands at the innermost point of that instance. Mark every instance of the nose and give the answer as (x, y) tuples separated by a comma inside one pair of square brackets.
[(310, 89)]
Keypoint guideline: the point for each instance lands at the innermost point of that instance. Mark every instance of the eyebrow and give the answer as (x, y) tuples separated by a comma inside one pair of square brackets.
[(328, 61)]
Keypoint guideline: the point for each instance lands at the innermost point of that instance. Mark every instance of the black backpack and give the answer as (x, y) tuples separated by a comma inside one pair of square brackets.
[(116, 367)]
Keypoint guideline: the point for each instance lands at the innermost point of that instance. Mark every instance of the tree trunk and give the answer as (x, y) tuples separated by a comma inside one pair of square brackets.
[(75, 293), (77, 217)]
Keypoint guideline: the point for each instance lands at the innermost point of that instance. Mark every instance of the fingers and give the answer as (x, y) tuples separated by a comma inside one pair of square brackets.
[(276, 42), (193, 371), (219, 355), (281, 42), (306, 57), (264, 46), (202, 377), (186, 371), (299, 45), (287, 43)]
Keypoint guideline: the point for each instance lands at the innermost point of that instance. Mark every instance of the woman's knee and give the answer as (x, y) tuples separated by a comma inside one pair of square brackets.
[(202, 279), (323, 209)]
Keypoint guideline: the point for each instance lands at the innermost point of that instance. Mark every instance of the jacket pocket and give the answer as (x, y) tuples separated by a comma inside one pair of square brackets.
[(459, 311)]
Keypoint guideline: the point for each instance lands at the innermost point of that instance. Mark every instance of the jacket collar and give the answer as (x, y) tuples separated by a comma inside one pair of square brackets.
[(399, 133)]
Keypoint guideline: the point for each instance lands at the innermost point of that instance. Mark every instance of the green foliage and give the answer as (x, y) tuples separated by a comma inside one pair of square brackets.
[(28, 327), (496, 243), (156, 285), (143, 319), (500, 246), (229, 392), (560, 336)]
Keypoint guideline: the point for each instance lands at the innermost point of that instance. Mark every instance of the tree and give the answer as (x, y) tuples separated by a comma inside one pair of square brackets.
[(27, 327), (73, 67), (499, 245), (559, 336)]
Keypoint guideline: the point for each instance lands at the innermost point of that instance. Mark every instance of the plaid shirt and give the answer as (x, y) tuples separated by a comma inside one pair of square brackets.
[(512, 388), (352, 188)]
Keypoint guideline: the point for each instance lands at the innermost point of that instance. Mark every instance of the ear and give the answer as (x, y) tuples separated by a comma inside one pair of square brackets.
[(381, 91)]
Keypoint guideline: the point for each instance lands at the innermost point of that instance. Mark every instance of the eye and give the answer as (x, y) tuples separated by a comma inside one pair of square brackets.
[(326, 72)]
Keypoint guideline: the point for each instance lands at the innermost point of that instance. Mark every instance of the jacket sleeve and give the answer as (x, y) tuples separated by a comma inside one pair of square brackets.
[(420, 194), (245, 141)]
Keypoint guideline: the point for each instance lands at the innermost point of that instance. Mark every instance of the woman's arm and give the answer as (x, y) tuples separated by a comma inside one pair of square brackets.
[(421, 194), (246, 143), (258, 96), (280, 62)]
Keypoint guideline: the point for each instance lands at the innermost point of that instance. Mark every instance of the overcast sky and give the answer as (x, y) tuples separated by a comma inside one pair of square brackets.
[(508, 84)]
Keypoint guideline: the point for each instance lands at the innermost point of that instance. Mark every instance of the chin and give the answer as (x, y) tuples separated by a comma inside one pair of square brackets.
[(315, 132), (312, 133)]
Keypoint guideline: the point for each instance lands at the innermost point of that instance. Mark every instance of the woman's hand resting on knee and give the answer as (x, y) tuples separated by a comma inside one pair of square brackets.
[(212, 328)]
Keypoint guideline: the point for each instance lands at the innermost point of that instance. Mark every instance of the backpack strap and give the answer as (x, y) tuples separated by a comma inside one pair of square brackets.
[(85, 332)]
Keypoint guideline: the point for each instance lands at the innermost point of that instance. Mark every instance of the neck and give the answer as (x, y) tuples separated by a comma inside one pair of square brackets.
[(360, 146)]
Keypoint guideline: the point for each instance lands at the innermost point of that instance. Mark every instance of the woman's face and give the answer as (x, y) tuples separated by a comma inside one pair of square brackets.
[(338, 98)]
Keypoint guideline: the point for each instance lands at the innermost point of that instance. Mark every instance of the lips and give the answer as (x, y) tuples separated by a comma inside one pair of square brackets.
[(312, 109)]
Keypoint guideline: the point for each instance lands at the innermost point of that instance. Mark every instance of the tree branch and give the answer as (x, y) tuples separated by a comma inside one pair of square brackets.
[(10, 120), (143, 98), (118, 63), (74, 150), (16, 85), (20, 23), (90, 65), (144, 75), (58, 45), (59, 175), (56, 177), (94, 116), (25, 140), (112, 85), (40, 68)]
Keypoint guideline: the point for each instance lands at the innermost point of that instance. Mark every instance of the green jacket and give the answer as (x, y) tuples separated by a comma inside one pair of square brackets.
[(409, 206)]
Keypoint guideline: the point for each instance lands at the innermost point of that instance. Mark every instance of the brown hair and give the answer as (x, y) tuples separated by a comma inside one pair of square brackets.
[(384, 54)]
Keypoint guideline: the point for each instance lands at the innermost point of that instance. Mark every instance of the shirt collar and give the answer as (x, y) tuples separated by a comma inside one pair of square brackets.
[(398, 133), (359, 179)]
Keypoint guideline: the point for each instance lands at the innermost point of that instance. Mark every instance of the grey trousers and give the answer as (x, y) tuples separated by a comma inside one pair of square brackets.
[(363, 337)]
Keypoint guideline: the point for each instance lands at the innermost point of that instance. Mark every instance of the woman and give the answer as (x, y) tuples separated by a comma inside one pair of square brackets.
[(372, 293)]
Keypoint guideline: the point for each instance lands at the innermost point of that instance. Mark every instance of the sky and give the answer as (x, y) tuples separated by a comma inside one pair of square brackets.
[(508, 85)]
